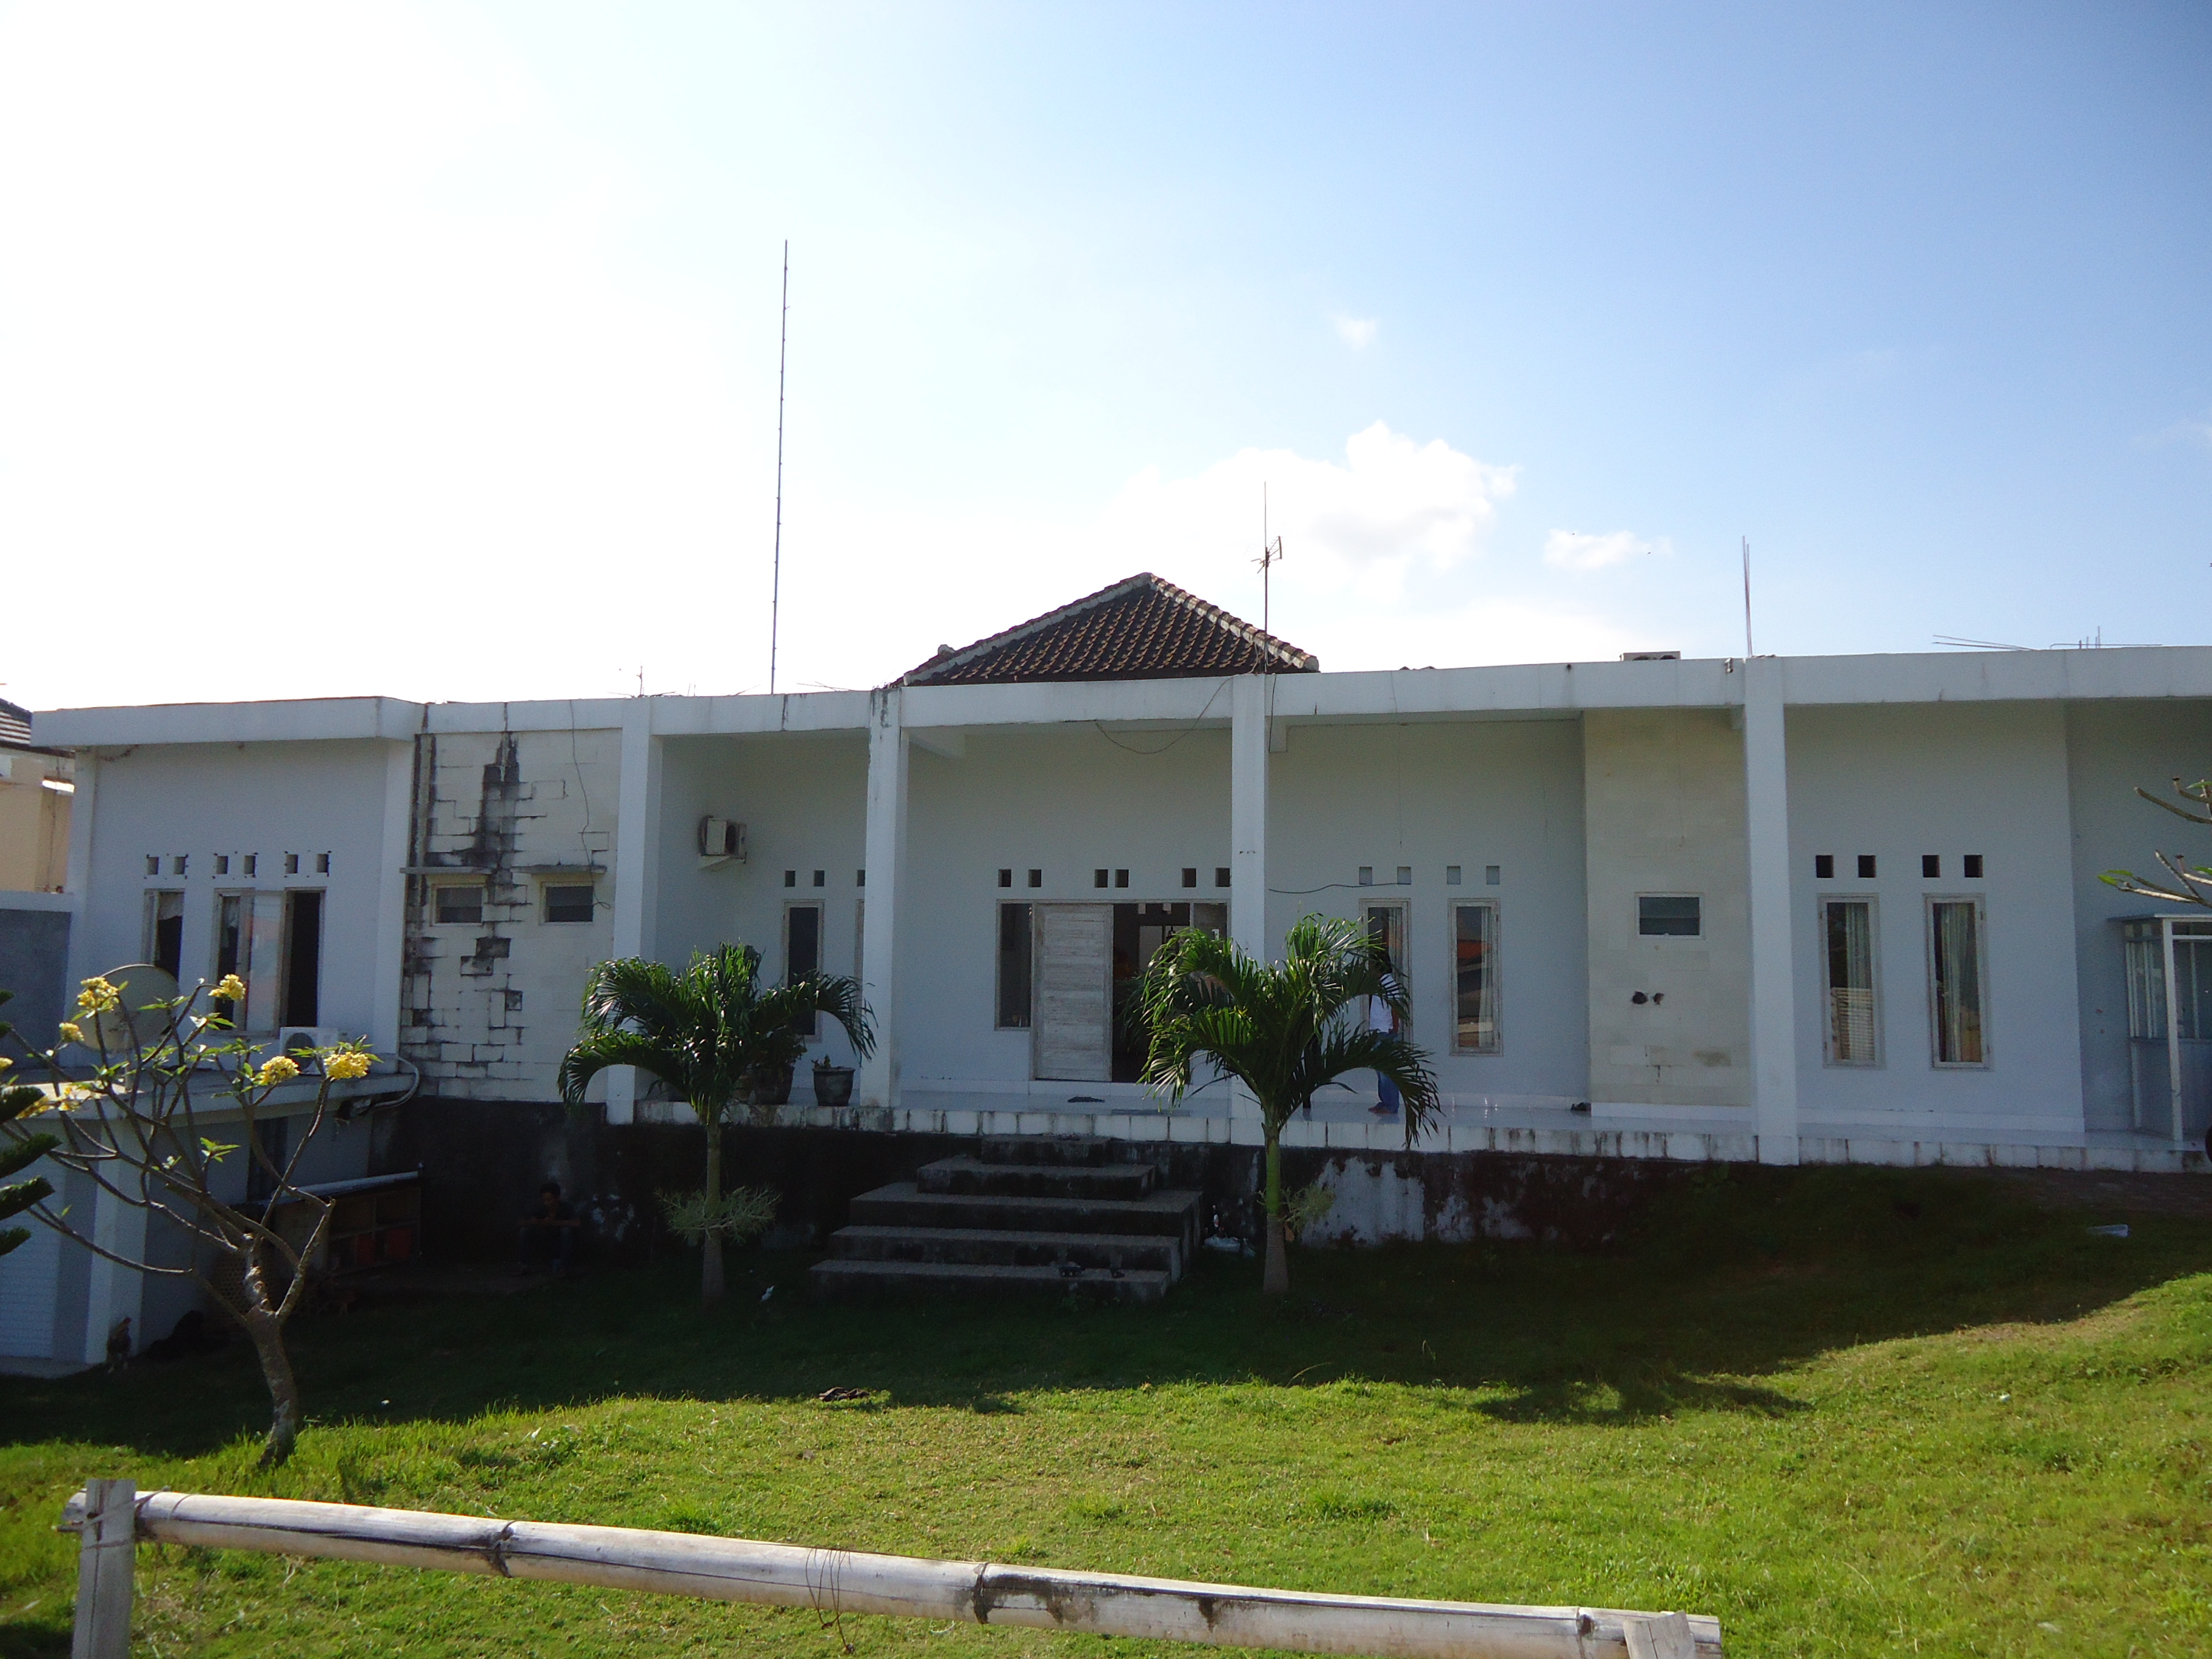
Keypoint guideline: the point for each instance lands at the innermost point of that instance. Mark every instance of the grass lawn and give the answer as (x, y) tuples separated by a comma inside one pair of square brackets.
[(1847, 1411)]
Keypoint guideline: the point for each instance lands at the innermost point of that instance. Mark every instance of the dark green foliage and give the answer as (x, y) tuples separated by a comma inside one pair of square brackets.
[(707, 1031)]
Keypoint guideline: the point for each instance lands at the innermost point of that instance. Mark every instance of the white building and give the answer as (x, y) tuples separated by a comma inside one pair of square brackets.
[(1788, 908)]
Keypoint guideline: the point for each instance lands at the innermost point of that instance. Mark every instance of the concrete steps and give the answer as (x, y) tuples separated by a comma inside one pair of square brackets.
[(836, 1277), (1064, 1213), (1011, 1249), (973, 1174)]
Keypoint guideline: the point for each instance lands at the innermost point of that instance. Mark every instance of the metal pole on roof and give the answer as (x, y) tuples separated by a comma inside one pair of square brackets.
[(1270, 553), (775, 580), (1747, 650)]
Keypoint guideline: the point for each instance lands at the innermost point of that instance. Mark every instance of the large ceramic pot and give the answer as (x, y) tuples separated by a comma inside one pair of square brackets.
[(833, 1086), (771, 1085)]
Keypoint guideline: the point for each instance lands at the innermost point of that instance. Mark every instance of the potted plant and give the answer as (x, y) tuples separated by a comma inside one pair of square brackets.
[(768, 1086), (832, 1085)]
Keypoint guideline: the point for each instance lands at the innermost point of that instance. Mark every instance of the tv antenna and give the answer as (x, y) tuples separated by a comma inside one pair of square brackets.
[(1747, 652), (775, 578), (1270, 555)]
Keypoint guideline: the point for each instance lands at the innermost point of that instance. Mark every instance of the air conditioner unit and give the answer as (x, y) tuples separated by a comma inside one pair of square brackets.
[(721, 839)]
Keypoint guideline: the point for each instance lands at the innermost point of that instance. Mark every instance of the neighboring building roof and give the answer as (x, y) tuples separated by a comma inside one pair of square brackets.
[(15, 722), (1139, 628)]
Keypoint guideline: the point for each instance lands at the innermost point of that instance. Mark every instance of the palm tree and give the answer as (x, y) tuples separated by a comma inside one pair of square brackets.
[(1280, 1028), (710, 1033)]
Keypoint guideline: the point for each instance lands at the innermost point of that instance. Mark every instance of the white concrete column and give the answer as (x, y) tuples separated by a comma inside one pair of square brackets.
[(1248, 838), (637, 867), (391, 947), (83, 806), (113, 1292), (876, 1083), (1248, 814), (1773, 986)]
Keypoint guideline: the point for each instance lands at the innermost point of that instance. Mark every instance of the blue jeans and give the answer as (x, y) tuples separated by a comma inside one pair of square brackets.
[(1387, 1092), (556, 1245)]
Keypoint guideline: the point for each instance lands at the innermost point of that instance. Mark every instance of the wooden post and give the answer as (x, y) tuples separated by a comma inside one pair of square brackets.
[(107, 1550), (1658, 1636)]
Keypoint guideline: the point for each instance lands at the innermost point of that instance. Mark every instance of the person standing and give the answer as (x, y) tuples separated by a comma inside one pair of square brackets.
[(549, 1231), (1381, 1019)]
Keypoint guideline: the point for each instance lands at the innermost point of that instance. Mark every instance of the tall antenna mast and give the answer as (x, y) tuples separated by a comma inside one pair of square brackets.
[(1270, 555), (775, 580), (1747, 650)]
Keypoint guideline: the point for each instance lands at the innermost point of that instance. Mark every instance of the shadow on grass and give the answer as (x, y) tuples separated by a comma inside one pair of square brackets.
[(1734, 1275)]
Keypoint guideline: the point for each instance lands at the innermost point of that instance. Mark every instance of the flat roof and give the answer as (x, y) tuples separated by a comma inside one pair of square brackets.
[(1525, 691)]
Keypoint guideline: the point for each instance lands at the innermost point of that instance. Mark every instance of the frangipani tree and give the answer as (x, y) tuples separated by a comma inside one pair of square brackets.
[(2184, 883), (146, 1126), (1284, 1030), (709, 1033)]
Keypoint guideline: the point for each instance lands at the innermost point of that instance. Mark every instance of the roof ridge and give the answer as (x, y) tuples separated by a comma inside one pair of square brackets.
[(968, 654), (1288, 656)]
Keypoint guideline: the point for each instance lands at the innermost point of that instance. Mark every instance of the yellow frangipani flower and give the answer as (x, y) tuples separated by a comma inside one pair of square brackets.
[(230, 989), (347, 1064), (63, 1099), (97, 997), (282, 1069), (71, 1032)]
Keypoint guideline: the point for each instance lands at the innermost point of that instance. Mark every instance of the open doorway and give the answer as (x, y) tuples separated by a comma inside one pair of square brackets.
[(165, 932), (303, 956), (1139, 930)]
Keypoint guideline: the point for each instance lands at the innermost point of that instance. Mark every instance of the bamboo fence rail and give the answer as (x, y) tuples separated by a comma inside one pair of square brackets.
[(112, 1516)]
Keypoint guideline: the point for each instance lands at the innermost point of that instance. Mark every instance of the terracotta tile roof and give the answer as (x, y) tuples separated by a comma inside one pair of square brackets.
[(1139, 628)]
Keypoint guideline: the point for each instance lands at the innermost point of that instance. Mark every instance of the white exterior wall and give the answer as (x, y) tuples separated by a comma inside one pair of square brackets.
[(2112, 750), (802, 798), (1587, 784), (1666, 816), (1068, 800), (1473, 794), (195, 800), (1947, 779)]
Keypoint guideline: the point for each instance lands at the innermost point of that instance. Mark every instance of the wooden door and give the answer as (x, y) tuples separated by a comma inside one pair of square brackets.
[(1073, 1036)]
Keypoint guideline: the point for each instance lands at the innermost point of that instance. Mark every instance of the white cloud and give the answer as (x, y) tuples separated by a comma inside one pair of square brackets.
[(1356, 331), (1576, 549), (1361, 537), (2197, 433)]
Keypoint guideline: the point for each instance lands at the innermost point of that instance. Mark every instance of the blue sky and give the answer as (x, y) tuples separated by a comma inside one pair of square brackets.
[(433, 350)]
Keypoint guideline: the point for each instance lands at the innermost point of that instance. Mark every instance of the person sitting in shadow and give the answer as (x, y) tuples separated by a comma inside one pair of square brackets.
[(548, 1233)]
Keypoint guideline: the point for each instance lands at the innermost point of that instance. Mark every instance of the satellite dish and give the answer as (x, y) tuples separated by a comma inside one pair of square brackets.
[(142, 985)]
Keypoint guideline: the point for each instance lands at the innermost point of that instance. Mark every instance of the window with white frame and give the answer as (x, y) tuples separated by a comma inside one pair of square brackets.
[(802, 953), (1474, 979), (1014, 967), (165, 932), (458, 900), (1852, 1030), (571, 901), (1669, 915), (1958, 980), (1385, 919)]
